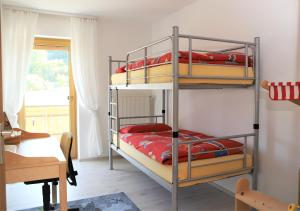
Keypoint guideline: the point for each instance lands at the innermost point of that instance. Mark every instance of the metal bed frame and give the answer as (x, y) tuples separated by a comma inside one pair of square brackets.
[(174, 87)]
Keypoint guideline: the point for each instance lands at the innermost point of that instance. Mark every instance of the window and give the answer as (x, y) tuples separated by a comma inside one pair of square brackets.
[(50, 103)]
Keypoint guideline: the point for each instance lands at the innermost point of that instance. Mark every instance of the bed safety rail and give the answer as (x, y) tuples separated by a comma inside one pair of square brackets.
[(248, 48), (151, 118), (145, 50), (197, 140), (115, 120)]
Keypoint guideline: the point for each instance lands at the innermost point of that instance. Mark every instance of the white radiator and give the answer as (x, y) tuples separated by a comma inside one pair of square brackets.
[(135, 105)]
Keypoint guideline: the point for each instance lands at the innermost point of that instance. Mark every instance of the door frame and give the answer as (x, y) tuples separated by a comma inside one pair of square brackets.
[(42, 43), (2, 165)]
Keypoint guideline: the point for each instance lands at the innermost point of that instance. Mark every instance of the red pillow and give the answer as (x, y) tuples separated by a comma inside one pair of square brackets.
[(151, 127)]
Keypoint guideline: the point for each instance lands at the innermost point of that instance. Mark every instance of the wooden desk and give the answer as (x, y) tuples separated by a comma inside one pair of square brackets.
[(37, 159)]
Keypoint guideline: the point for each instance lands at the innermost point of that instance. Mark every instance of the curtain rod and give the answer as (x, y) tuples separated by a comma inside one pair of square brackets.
[(47, 12)]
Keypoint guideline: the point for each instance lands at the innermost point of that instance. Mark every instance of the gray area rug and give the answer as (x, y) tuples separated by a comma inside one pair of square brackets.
[(112, 202)]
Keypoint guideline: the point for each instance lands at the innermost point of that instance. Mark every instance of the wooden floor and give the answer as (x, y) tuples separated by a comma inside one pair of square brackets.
[(95, 179)]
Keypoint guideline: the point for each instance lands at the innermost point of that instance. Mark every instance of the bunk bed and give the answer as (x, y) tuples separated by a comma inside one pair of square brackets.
[(234, 67)]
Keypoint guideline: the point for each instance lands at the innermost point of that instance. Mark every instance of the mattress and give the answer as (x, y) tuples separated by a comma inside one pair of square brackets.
[(158, 144), (163, 74), (201, 168)]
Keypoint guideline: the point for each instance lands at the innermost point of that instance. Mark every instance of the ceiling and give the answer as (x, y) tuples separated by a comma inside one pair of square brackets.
[(131, 9)]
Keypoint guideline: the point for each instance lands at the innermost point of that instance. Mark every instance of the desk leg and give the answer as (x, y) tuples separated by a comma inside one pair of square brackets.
[(63, 187), (2, 188), (299, 187)]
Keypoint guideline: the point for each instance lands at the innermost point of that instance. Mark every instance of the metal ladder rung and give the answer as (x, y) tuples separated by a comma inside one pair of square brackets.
[(114, 131)]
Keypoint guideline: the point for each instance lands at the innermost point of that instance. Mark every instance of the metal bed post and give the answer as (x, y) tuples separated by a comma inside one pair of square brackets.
[(256, 117), (110, 114), (127, 72), (175, 93), (163, 106), (246, 62), (190, 56), (118, 118), (145, 65)]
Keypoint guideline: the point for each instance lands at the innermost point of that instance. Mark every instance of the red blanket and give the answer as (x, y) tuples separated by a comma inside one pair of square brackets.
[(208, 58), (158, 145)]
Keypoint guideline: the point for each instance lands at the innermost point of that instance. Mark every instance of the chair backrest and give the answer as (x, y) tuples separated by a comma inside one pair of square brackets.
[(66, 146)]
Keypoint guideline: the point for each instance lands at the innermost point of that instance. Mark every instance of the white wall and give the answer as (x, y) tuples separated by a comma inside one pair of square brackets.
[(53, 26), (225, 112), (116, 37)]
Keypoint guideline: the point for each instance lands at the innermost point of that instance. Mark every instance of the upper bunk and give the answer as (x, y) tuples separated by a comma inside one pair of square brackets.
[(190, 62)]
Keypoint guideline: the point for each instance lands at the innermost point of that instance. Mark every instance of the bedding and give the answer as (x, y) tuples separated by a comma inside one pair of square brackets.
[(222, 167), (183, 56), (158, 145)]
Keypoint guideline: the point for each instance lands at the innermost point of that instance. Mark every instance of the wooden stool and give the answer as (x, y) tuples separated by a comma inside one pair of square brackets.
[(246, 199)]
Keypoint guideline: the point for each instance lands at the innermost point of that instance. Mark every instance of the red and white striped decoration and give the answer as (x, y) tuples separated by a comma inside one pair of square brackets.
[(284, 91)]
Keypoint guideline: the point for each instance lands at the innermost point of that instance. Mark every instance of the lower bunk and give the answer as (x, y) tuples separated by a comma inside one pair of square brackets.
[(216, 162)]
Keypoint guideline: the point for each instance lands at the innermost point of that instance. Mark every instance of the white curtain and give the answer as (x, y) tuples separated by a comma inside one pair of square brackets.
[(84, 51), (18, 35)]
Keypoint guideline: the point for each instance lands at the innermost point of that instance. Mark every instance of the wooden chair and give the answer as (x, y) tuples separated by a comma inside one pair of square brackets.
[(66, 146)]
